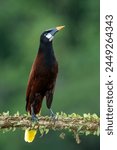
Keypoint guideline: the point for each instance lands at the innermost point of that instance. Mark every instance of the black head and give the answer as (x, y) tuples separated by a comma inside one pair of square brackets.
[(48, 35)]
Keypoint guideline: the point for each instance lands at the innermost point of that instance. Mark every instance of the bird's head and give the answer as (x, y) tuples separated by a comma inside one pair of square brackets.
[(48, 35)]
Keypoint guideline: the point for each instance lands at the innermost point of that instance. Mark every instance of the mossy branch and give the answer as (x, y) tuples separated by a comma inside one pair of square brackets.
[(86, 124)]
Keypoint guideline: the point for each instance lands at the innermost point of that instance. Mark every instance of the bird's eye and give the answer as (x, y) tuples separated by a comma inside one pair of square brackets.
[(45, 34)]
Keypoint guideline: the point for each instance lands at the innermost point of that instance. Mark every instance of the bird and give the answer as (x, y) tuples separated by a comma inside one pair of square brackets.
[(43, 75)]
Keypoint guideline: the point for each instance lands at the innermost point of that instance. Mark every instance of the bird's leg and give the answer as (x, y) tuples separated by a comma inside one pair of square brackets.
[(34, 118), (53, 115), (37, 97)]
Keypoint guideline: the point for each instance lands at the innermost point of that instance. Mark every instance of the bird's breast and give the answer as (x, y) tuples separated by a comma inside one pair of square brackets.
[(46, 65), (49, 70)]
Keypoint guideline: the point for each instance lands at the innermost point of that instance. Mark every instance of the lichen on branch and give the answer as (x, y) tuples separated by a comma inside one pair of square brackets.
[(86, 124)]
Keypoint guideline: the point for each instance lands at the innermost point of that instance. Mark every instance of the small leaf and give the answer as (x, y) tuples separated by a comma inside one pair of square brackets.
[(74, 115), (62, 135), (85, 115), (41, 131), (69, 130), (95, 133), (46, 131), (95, 116), (79, 128), (6, 113), (13, 129), (17, 114), (87, 133), (77, 138)]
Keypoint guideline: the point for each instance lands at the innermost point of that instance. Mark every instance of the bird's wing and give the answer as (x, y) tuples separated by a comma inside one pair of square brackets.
[(31, 81), (31, 96), (50, 92), (49, 96), (34, 83)]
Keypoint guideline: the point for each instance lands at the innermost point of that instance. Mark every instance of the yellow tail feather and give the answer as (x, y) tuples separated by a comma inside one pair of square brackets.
[(29, 135)]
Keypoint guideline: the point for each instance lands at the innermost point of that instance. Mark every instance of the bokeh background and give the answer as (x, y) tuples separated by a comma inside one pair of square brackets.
[(77, 51)]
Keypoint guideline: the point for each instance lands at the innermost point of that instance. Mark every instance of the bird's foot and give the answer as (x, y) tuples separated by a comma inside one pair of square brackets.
[(53, 115), (34, 118)]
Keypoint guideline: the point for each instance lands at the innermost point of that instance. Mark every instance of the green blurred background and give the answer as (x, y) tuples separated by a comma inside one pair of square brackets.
[(77, 51)]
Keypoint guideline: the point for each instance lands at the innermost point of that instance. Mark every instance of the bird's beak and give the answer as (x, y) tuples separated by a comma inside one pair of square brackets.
[(60, 27), (55, 30)]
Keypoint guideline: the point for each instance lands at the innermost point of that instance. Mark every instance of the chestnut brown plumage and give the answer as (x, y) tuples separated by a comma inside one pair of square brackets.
[(43, 74)]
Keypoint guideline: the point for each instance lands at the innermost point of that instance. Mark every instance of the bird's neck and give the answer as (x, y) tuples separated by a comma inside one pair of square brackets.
[(47, 51)]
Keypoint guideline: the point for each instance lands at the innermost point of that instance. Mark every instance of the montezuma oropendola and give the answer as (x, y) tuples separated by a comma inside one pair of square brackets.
[(43, 74)]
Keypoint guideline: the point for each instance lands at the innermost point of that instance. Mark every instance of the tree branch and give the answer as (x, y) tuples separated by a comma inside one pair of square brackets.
[(86, 124)]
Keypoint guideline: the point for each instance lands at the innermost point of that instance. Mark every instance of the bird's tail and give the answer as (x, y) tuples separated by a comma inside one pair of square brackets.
[(29, 135)]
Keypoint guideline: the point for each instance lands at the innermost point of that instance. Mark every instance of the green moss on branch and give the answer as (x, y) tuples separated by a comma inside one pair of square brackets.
[(86, 124)]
